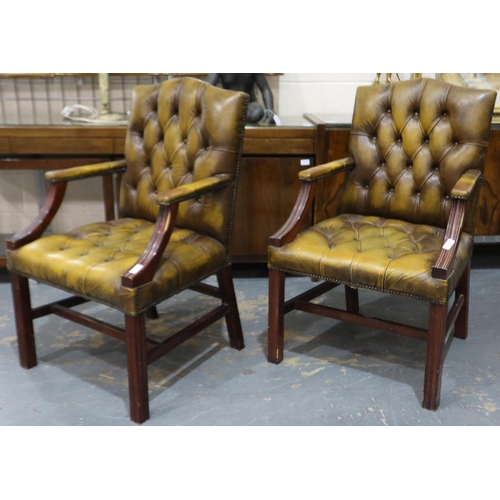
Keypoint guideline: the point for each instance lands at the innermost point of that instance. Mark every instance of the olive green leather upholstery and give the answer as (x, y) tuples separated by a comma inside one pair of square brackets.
[(411, 142), (414, 146), (180, 142), (406, 217), (183, 145), (373, 252), (90, 261), (176, 202)]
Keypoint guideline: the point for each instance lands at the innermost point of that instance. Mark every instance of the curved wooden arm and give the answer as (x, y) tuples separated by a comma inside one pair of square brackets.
[(291, 227), (144, 269), (305, 198), (39, 225), (444, 263), (192, 190), (334, 167), (86, 171)]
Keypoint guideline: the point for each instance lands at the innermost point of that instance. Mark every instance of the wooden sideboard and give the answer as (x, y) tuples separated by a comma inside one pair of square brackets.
[(268, 183)]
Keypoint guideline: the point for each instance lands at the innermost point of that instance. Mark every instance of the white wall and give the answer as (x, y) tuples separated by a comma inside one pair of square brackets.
[(319, 93), (324, 93)]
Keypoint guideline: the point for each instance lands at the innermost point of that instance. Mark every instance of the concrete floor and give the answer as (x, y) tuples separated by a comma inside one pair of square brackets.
[(334, 374)]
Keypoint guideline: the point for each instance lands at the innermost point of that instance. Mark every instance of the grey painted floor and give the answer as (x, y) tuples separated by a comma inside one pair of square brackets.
[(334, 374)]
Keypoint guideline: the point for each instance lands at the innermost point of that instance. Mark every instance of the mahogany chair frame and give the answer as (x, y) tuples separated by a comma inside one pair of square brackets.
[(440, 323), (141, 351)]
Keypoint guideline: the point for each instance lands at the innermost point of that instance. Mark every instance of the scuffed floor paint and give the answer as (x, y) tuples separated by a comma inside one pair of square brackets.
[(333, 373)]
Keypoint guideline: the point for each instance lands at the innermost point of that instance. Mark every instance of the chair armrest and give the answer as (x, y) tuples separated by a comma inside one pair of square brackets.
[(144, 269), (305, 198), (291, 227), (444, 263), (49, 209), (466, 185), (462, 190), (85, 171), (192, 190), (334, 167)]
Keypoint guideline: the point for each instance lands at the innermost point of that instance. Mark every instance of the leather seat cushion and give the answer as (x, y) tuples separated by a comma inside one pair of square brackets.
[(373, 252), (90, 260)]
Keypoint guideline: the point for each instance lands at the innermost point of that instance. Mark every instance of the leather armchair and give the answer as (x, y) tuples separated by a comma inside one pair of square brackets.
[(406, 221), (176, 202)]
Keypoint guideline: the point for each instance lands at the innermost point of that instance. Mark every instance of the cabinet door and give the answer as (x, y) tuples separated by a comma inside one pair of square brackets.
[(267, 190), (488, 213)]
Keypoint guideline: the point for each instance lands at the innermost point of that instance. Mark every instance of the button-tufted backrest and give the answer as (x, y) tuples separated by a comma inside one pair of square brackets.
[(180, 131), (411, 142)]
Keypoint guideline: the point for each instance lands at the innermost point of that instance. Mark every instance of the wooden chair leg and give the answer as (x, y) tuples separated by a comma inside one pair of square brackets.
[(137, 368), (233, 323), (24, 321), (351, 300), (152, 313), (435, 355), (462, 322), (276, 316)]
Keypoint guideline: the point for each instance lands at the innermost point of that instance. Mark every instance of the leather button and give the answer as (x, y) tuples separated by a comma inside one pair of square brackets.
[(392, 190), (367, 187), (410, 165), (456, 143)]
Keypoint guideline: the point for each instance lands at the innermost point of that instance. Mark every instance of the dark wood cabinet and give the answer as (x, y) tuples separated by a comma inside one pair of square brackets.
[(267, 190), (488, 217)]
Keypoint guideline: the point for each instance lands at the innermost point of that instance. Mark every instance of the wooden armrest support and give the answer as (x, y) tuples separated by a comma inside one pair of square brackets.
[(305, 198), (462, 190), (144, 269), (85, 171), (466, 184), (34, 230), (192, 190), (334, 167), (444, 263), (291, 227)]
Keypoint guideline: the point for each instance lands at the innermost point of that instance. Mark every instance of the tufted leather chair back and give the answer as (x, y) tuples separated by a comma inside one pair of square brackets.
[(180, 131), (411, 142)]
